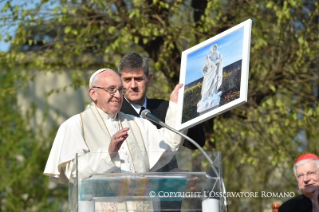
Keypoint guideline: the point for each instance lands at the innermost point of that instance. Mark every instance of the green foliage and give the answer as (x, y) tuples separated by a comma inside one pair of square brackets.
[(267, 144), (259, 140), (23, 155), (231, 80), (230, 86), (191, 98), (231, 96)]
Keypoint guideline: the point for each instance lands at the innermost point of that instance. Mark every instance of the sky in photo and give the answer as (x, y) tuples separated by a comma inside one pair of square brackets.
[(230, 46)]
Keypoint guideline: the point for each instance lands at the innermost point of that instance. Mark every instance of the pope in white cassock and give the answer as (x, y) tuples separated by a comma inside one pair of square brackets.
[(121, 142)]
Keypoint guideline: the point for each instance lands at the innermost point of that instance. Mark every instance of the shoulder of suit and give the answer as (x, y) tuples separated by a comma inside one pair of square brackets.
[(159, 102), (125, 101), (295, 202), (126, 105)]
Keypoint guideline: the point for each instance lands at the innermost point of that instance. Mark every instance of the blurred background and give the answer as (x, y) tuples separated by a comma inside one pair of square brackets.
[(49, 49)]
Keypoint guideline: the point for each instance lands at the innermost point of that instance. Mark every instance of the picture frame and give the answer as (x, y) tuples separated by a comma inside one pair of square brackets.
[(215, 76)]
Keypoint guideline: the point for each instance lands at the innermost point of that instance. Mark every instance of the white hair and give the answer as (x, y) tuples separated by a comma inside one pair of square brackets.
[(303, 162)]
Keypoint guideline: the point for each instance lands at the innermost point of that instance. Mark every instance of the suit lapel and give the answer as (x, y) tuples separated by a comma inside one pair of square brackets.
[(128, 108), (151, 107)]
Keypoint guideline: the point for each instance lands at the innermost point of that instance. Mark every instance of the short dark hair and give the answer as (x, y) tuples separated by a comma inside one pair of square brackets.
[(132, 62)]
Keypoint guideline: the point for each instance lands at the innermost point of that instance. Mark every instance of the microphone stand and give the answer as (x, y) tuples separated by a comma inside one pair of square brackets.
[(203, 152)]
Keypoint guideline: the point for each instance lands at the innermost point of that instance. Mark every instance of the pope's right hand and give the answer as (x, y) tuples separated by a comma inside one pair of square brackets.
[(116, 141)]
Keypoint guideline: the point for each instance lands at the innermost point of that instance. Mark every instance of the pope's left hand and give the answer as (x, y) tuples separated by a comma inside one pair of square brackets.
[(174, 94)]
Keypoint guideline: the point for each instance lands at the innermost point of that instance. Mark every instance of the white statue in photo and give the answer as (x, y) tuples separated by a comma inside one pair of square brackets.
[(213, 77)]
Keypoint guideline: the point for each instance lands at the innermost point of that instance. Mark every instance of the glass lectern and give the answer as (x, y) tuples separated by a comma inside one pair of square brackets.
[(195, 186)]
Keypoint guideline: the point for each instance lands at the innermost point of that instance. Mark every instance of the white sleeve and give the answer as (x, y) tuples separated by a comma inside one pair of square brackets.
[(68, 142), (161, 144)]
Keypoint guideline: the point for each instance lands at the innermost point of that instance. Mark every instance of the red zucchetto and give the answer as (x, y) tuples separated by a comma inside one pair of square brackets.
[(306, 156)]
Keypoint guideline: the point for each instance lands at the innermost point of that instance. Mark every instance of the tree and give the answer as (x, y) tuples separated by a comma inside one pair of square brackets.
[(258, 140), (23, 155)]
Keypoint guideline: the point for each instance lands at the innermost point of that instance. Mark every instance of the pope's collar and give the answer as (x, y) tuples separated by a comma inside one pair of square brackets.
[(106, 115)]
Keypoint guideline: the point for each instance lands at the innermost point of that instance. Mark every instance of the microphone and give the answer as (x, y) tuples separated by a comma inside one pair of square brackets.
[(146, 114)]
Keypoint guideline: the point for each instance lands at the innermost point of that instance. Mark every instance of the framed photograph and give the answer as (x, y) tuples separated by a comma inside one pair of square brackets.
[(215, 76)]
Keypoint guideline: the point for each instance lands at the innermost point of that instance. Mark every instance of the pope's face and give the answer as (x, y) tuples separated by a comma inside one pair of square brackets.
[(308, 178), (110, 104), (136, 83)]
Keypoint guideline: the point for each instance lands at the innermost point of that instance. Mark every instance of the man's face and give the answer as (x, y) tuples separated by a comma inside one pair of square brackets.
[(136, 83), (110, 104), (308, 178)]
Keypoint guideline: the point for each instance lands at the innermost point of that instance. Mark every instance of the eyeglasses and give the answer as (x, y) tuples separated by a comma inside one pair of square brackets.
[(112, 90), (309, 174)]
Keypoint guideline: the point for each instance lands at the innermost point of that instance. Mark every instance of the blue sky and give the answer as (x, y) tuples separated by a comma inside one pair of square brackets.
[(11, 30), (4, 46), (230, 46)]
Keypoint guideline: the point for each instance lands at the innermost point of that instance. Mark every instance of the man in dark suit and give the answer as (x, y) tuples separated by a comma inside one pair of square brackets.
[(134, 72), (306, 170)]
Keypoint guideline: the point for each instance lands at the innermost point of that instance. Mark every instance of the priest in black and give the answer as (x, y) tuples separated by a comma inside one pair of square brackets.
[(299, 203), (306, 170)]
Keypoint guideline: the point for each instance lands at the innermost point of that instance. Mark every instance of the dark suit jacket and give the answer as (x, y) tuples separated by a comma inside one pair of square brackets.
[(158, 108), (297, 204)]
